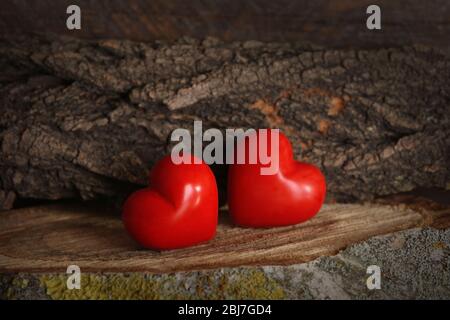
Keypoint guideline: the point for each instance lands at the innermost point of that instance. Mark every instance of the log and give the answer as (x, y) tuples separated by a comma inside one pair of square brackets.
[(90, 235), (87, 119)]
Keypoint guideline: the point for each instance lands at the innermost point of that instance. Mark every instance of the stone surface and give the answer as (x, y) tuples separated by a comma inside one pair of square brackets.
[(414, 265)]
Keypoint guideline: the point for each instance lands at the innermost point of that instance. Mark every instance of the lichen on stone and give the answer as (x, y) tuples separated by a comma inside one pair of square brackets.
[(218, 284)]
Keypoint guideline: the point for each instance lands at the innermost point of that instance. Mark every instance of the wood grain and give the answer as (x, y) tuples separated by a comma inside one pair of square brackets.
[(49, 238), (326, 22)]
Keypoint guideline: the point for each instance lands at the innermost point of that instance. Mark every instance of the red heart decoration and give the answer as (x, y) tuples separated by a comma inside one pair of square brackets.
[(293, 194), (178, 209)]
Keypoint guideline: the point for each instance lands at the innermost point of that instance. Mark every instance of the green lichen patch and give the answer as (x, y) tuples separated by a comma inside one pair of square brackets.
[(239, 283)]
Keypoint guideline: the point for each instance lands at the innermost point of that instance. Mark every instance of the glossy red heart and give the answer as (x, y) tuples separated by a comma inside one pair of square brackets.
[(293, 194), (178, 209)]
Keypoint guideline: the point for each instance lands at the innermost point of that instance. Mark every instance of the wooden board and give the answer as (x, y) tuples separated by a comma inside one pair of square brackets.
[(49, 238), (327, 22)]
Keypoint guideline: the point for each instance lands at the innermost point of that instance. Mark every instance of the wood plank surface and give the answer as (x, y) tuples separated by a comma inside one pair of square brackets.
[(49, 238), (327, 22)]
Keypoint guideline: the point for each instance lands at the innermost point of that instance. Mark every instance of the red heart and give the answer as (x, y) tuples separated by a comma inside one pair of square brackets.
[(178, 209), (293, 194)]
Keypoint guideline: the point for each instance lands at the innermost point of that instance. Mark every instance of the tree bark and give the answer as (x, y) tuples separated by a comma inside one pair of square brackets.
[(88, 119)]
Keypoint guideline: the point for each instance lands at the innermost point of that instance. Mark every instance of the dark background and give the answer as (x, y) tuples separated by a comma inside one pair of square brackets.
[(325, 22)]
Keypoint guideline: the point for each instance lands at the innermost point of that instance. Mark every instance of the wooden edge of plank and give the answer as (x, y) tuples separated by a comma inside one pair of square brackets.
[(336, 227)]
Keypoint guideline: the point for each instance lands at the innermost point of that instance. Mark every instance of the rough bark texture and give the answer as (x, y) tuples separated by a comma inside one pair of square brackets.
[(87, 119)]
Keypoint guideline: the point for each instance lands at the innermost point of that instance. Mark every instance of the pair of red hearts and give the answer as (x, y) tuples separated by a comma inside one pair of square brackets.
[(180, 206)]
